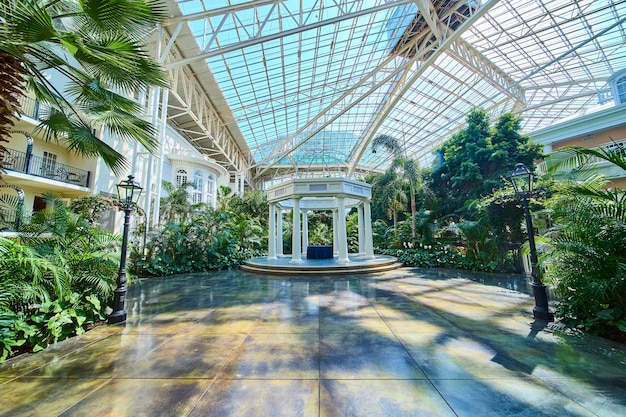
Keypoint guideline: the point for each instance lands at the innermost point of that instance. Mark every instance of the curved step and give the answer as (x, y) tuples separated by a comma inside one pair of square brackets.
[(316, 267)]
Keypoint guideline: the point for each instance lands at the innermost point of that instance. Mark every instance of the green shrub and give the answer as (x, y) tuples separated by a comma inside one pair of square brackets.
[(443, 256)]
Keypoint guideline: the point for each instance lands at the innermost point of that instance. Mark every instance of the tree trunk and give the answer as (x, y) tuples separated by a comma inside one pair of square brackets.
[(395, 218), (11, 89), (413, 212)]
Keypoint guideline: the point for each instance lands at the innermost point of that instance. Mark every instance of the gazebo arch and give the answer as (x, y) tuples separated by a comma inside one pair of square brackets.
[(315, 194)]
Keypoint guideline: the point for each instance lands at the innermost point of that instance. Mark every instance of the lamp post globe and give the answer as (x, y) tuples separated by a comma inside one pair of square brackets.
[(129, 192), (522, 180)]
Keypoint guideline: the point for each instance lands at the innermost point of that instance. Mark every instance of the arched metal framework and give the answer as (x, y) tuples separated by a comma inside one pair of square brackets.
[(271, 87)]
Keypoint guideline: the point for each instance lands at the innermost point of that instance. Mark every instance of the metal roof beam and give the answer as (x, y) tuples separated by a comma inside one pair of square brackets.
[(258, 38), (397, 94), (474, 59)]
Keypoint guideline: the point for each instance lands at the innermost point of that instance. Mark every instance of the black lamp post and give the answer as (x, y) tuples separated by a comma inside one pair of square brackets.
[(128, 192), (522, 180)]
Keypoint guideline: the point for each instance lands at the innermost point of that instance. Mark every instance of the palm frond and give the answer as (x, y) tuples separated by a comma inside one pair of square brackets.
[(389, 143), (579, 159), (137, 17)]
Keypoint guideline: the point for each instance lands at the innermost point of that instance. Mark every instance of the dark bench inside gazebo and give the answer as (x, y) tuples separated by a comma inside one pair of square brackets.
[(319, 251)]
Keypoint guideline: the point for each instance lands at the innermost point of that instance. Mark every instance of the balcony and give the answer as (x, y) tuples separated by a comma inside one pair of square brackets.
[(602, 165), (34, 109), (24, 162)]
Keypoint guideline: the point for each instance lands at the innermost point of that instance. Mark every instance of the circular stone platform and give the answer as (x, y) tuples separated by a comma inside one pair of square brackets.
[(358, 265)]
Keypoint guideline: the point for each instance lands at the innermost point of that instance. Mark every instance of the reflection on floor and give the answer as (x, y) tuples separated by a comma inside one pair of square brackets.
[(407, 342)]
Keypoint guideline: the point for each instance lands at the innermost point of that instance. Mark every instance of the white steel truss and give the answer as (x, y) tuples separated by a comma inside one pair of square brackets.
[(191, 110), (307, 84)]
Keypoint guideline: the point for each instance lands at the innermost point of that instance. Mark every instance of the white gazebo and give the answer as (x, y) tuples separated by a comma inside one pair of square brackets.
[(302, 195)]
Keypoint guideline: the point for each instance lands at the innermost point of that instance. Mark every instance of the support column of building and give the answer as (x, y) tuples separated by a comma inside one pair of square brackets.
[(279, 232), (335, 242), (239, 183), (296, 249), (162, 136), (155, 94), (367, 217), (134, 171), (271, 238), (305, 231), (342, 237), (359, 211)]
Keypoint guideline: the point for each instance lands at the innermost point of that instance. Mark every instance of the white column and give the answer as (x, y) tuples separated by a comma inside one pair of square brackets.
[(279, 232), (242, 183), (335, 242), (135, 164), (305, 231), (342, 237), (296, 249), (359, 211), (154, 119), (367, 217), (271, 238), (153, 97), (162, 136)]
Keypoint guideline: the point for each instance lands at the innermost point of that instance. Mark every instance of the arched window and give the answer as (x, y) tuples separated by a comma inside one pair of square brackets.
[(210, 189), (617, 84), (620, 87), (197, 193), (181, 177)]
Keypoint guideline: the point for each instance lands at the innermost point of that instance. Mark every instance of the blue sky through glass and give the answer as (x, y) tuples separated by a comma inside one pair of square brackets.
[(549, 52)]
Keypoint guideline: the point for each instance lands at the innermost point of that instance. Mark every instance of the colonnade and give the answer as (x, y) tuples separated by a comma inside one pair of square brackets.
[(300, 235)]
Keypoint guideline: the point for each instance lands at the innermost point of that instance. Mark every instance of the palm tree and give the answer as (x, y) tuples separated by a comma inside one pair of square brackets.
[(408, 167), (176, 205), (393, 197), (97, 46), (586, 257)]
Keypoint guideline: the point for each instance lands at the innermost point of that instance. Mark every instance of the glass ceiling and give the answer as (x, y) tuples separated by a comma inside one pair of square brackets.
[(311, 82)]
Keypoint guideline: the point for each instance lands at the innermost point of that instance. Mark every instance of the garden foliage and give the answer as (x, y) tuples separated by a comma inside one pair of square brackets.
[(56, 280), (585, 257), (200, 238)]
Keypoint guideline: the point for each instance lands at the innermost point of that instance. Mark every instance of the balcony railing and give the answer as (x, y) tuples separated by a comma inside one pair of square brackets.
[(18, 161), (34, 108), (8, 219), (615, 146)]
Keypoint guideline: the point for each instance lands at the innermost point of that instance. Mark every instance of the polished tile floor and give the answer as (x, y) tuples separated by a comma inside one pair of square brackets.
[(408, 342)]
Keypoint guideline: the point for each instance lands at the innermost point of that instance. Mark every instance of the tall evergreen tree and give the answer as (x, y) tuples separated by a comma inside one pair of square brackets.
[(478, 159)]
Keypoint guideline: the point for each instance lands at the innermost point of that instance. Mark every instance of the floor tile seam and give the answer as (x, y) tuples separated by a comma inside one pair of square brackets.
[(181, 331), (564, 394), (9, 379), (201, 396), (231, 354), (247, 378), (427, 378), (91, 392), (397, 379), (230, 357), (436, 312), (144, 356), (161, 294), (266, 307), (587, 380), (66, 354), (474, 303), (495, 312), (527, 303), (319, 356), (152, 316)]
